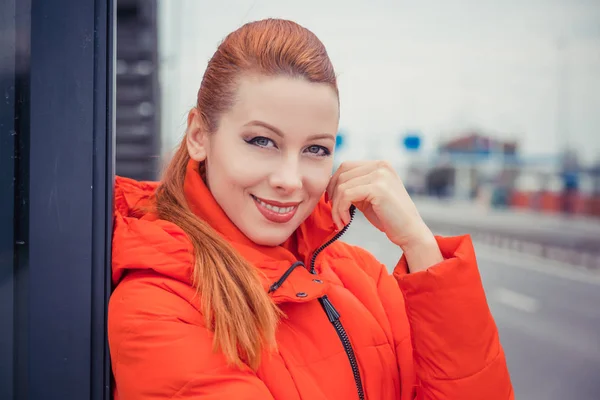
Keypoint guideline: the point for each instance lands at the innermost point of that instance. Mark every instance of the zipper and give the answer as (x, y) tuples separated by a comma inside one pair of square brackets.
[(330, 241), (334, 316)]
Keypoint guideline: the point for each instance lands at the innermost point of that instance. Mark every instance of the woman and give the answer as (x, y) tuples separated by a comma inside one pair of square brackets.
[(231, 282)]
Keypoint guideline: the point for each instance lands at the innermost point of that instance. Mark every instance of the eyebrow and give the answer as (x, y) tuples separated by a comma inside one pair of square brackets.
[(280, 133)]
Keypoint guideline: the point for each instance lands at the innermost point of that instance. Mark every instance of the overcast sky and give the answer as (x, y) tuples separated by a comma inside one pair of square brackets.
[(438, 67)]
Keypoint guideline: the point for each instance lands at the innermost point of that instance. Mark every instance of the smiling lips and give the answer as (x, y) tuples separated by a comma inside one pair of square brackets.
[(275, 211)]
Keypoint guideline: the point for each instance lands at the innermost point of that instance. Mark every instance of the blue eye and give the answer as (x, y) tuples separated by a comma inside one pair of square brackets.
[(319, 151), (261, 141)]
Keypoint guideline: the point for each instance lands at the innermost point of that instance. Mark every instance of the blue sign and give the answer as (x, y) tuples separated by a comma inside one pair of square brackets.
[(339, 140), (412, 141)]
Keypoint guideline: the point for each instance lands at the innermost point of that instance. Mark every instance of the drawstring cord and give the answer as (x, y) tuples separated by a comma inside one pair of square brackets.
[(287, 273)]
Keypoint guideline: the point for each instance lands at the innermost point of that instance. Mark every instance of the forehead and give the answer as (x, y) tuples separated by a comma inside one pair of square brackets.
[(293, 105)]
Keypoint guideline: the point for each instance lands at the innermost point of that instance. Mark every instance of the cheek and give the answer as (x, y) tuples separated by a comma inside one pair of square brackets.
[(236, 164), (237, 174), (223, 171), (317, 179)]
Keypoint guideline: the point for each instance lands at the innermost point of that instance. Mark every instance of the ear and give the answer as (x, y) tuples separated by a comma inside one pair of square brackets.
[(196, 136)]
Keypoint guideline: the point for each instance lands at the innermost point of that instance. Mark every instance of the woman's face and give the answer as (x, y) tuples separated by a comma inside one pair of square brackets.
[(271, 158)]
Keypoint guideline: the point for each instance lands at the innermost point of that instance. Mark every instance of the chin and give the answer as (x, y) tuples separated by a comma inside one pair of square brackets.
[(270, 239)]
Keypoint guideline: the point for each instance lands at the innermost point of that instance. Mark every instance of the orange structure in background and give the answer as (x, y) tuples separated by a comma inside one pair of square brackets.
[(552, 202)]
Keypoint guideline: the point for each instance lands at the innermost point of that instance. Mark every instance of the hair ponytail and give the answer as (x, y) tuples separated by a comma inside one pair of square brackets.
[(235, 305)]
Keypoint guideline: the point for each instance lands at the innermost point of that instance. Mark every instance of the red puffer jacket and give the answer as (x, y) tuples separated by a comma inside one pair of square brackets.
[(351, 329)]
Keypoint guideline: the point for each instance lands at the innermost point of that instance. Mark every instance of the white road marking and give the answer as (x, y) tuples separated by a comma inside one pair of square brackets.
[(515, 300)]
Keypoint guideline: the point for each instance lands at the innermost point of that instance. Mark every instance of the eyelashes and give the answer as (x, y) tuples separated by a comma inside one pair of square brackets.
[(319, 151), (261, 141), (264, 142)]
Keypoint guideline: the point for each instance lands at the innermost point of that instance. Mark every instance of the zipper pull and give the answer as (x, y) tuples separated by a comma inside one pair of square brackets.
[(330, 310), (274, 287)]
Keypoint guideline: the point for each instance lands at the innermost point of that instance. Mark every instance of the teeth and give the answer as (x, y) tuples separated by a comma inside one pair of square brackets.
[(278, 210)]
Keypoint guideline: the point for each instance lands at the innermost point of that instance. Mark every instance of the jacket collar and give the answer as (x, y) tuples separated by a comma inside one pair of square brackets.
[(272, 262)]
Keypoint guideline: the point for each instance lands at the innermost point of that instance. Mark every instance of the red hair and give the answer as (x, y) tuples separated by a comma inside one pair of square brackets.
[(233, 301)]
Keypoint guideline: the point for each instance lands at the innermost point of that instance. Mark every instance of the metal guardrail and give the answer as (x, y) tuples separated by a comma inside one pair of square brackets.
[(574, 242)]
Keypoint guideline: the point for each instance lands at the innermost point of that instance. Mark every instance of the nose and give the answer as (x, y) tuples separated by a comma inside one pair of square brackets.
[(286, 178)]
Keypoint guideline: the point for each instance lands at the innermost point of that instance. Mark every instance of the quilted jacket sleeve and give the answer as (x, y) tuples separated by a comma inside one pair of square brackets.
[(446, 328), (161, 350)]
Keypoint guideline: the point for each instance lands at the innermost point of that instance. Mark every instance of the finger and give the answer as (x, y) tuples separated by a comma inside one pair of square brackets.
[(333, 180), (345, 166), (350, 170), (373, 173), (361, 170), (341, 210), (351, 195), (343, 201)]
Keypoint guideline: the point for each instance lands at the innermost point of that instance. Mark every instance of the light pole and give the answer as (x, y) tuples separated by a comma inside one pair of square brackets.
[(562, 101)]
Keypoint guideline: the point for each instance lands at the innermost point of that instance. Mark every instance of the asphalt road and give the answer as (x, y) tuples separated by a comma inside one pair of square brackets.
[(548, 316)]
